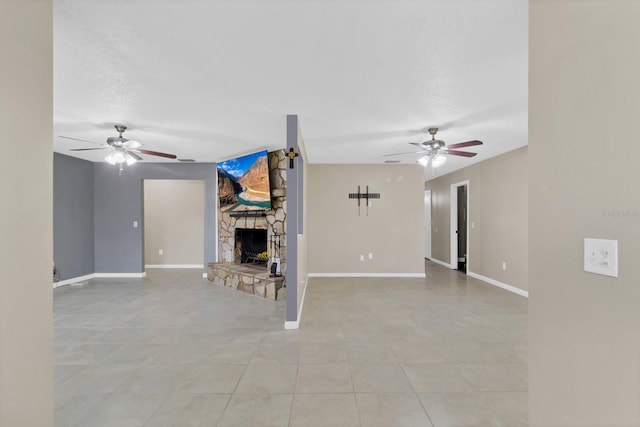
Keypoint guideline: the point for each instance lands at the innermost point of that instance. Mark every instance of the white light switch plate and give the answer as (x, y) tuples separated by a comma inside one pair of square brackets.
[(601, 256)]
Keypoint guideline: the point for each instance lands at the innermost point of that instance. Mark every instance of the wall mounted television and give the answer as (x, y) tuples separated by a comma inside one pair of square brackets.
[(243, 183)]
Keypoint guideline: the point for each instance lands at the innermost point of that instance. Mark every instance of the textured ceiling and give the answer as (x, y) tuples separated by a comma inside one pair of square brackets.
[(209, 80)]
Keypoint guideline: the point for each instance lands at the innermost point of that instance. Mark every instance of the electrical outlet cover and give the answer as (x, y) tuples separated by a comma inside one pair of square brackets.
[(601, 256)]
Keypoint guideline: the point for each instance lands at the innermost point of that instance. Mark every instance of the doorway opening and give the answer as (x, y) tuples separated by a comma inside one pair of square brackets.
[(427, 224), (173, 228), (460, 226)]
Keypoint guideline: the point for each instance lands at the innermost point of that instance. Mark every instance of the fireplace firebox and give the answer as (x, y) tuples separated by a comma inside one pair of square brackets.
[(251, 246)]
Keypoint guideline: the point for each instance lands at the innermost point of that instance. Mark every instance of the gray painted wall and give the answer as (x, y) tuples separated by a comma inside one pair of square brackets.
[(73, 242), (119, 201)]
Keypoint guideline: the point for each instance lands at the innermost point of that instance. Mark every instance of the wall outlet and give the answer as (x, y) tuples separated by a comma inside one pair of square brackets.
[(361, 257), (135, 224), (160, 252), (370, 255), (504, 265)]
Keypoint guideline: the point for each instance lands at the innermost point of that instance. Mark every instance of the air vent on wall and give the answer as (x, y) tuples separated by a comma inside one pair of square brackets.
[(186, 160), (392, 161)]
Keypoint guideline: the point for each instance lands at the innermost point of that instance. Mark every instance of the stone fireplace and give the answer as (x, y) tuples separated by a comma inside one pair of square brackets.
[(245, 237)]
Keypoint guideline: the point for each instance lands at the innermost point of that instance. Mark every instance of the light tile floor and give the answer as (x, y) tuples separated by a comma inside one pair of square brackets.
[(173, 350)]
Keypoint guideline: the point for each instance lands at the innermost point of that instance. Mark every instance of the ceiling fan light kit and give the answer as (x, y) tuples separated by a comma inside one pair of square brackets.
[(438, 160), (120, 156)]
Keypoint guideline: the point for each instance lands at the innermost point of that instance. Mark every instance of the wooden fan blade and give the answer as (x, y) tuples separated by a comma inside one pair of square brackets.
[(86, 149), (402, 154), (157, 153), (76, 139), (458, 153), (465, 144), (134, 155)]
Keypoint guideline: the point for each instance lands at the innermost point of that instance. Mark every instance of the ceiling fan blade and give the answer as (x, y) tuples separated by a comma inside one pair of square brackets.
[(134, 155), (76, 139), (458, 153), (401, 154), (465, 144), (417, 144), (156, 153), (86, 149)]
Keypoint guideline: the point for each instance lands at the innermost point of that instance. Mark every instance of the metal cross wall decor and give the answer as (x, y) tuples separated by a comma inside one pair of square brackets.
[(291, 155), (366, 196)]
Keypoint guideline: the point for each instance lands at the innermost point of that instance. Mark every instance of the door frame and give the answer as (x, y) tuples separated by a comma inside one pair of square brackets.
[(427, 224), (454, 223)]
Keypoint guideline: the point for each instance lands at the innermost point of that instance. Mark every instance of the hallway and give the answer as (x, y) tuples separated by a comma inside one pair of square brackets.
[(174, 350)]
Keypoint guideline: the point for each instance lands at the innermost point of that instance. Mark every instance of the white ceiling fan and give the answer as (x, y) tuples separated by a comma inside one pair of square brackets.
[(123, 150), (434, 150)]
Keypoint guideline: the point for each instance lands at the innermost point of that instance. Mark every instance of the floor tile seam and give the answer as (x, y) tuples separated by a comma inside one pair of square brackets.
[(167, 396), (55, 386), (424, 409), (353, 387), (244, 371), (456, 367), (355, 398), (403, 366)]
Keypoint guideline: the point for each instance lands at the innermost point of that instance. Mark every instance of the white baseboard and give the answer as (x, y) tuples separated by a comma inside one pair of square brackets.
[(442, 263), (504, 286), (120, 275), (96, 275), (415, 275), (174, 266), (74, 280), (295, 324), (292, 324)]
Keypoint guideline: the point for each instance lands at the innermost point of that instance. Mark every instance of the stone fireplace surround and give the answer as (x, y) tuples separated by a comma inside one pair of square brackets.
[(248, 277)]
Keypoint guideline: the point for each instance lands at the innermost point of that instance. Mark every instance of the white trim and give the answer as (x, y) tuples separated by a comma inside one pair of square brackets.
[(292, 324), (74, 280), (416, 275), (504, 286), (174, 266), (442, 263), (295, 324), (120, 275)]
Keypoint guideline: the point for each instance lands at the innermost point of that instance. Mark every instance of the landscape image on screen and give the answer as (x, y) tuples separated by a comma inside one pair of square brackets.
[(243, 183)]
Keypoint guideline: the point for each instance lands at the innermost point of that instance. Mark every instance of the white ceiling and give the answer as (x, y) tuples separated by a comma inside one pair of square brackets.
[(209, 80)]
